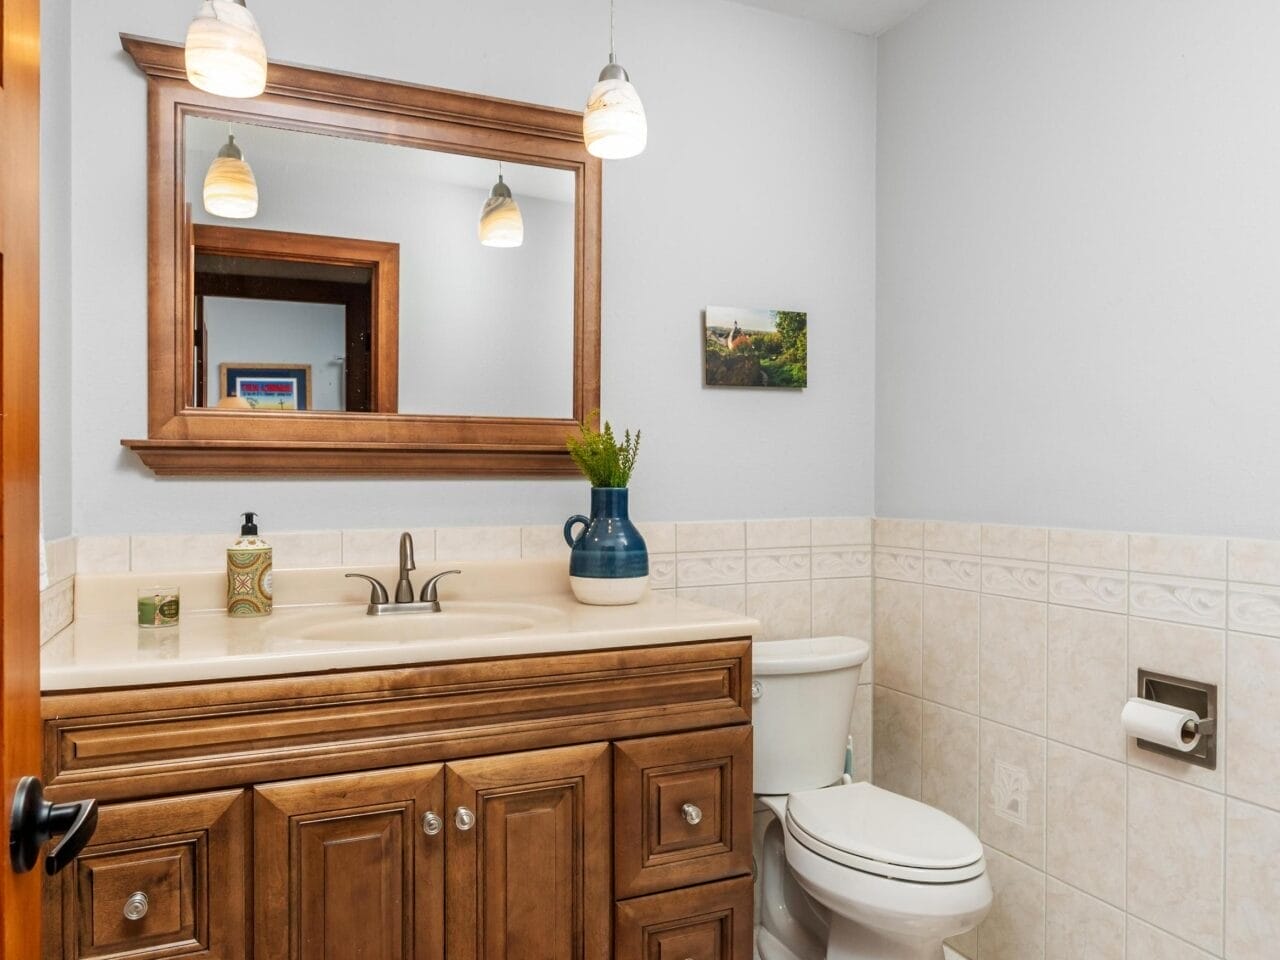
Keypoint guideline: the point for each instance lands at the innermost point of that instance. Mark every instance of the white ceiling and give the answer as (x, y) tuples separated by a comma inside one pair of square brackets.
[(871, 17)]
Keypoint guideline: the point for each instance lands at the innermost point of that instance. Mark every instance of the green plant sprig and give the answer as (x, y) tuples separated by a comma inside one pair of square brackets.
[(601, 458)]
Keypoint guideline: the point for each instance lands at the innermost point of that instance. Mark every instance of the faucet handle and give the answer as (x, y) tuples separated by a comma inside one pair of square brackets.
[(377, 592), (429, 594)]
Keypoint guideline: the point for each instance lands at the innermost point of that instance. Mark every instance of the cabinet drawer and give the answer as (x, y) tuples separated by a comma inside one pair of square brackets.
[(682, 810), (711, 922), (161, 879)]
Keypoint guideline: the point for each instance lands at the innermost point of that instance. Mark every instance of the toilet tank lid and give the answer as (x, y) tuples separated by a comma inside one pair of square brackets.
[(807, 655)]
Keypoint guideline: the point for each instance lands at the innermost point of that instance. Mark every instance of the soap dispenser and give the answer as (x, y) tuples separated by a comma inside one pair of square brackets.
[(249, 573)]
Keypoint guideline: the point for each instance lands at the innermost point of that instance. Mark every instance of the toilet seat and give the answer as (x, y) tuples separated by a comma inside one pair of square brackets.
[(881, 833)]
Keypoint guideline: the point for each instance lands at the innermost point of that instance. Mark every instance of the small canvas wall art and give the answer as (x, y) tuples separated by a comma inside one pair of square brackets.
[(279, 386), (755, 348)]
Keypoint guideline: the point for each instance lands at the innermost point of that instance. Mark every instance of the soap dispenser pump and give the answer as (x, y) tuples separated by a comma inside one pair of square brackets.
[(249, 572)]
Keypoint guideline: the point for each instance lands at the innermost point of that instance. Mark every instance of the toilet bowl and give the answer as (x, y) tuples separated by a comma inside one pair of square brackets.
[(847, 871)]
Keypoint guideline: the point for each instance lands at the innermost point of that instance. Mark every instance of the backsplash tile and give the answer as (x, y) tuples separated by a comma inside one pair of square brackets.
[(710, 569), (1202, 602), (1015, 543), (777, 564), (1179, 556), (478, 543), (770, 534), (835, 531), (711, 535)]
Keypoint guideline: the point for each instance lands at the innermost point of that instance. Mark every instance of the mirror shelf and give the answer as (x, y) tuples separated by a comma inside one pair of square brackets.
[(405, 411)]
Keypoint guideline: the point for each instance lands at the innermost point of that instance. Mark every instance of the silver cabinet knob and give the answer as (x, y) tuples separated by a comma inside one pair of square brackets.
[(431, 823), (464, 819), (135, 908), (757, 689), (692, 814)]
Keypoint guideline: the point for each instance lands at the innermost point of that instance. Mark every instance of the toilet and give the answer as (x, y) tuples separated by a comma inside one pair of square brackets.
[(845, 871)]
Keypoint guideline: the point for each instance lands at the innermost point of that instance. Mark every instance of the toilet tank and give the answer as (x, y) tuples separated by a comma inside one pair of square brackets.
[(802, 693)]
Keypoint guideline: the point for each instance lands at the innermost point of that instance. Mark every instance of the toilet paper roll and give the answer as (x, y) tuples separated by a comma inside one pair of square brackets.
[(1161, 724)]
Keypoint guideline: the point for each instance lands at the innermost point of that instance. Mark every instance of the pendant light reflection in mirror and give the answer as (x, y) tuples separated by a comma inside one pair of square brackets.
[(501, 224), (230, 191), (225, 54), (614, 125)]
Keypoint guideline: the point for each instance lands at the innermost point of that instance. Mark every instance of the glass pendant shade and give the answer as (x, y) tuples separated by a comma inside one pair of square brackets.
[(500, 222), (225, 54), (614, 125), (229, 188)]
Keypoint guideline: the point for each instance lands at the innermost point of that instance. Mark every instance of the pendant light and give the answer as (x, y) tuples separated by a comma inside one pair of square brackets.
[(225, 53), (229, 188), (614, 125), (500, 222)]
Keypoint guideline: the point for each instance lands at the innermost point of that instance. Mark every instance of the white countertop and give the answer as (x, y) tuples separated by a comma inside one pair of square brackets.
[(106, 648)]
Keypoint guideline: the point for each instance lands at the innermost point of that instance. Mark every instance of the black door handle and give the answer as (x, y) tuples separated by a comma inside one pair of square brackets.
[(34, 822)]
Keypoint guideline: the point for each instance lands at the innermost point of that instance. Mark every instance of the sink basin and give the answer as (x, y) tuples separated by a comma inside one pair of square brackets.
[(457, 621)]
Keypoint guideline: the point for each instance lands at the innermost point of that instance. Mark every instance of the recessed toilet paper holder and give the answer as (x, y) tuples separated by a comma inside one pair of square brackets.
[(1202, 698)]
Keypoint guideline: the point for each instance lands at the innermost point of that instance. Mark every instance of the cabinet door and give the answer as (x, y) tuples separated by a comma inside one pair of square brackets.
[(710, 922), (350, 867), (528, 873), (160, 879)]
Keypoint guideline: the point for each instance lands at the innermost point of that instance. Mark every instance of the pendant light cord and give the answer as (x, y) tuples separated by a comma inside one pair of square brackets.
[(611, 14)]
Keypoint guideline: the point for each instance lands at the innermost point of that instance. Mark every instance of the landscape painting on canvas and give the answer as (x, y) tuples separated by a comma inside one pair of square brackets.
[(755, 348)]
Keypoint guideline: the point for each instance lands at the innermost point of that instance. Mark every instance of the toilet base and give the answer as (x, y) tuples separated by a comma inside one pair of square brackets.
[(852, 941)]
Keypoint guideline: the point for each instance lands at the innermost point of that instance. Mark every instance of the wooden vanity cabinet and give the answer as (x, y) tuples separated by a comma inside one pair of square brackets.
[(617, 824)]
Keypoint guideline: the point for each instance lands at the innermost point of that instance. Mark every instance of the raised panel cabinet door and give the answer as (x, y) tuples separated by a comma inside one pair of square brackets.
[(161, 879), (709, 922), (350, 867), (528, 874)]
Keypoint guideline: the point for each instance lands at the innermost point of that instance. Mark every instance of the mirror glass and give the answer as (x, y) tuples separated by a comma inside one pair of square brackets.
[(483, 330)]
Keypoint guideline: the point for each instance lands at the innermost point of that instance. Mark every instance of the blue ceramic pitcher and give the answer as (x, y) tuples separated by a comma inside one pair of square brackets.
[(609, 563)]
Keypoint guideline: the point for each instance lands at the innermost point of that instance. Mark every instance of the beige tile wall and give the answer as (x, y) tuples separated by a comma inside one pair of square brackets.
[(1003, 658)]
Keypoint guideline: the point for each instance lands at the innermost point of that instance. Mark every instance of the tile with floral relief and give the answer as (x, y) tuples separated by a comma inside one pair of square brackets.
[(545, 542), (897, 719), (102, 555), (945, 536), (961, 571), (898, 564), (1090, 587), (777, 564), (1012, 791), (785, 610), (303, 550), (950, 631), (949, 751), (1085, 821), (1179, 556), (843, 608), (705, 535), (57, 608), (771, 534), (1089, 548), (898, 635), (179, 553), (1253, 608), (381, 548), (730, 597), (1145, 942), (658, 537), (1014, 926), (1079, 926), (1254, 561), (478, 543), (1015, 543), (1022, 581), (1012, 655), (1252, 719), (710, 569), (1181, 650), (840, 561), (1175, 835), (1253, 882), (662, 571), (1199, 602), (892, 532), (836, 531), (1088, 679)]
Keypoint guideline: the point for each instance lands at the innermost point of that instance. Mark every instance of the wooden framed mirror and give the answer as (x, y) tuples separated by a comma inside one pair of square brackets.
[(341, 314)]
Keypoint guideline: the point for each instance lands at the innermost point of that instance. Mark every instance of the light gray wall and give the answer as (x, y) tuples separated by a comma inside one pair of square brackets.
[(55, 268), (1077, 277), (757, 189)]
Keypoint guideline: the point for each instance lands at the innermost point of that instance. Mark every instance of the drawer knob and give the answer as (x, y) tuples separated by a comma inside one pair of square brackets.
[(431, 823), (464, 819), (692, 814), (135, 908)]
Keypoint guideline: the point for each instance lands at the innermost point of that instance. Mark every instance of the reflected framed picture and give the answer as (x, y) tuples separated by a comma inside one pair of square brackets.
[(268, 386), (748, 347)]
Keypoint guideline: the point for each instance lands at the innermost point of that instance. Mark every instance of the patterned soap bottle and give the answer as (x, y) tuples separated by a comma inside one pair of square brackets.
[(249, 573)]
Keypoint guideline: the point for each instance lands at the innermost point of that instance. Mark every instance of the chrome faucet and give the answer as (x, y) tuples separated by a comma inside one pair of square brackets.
[(380, 601)]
